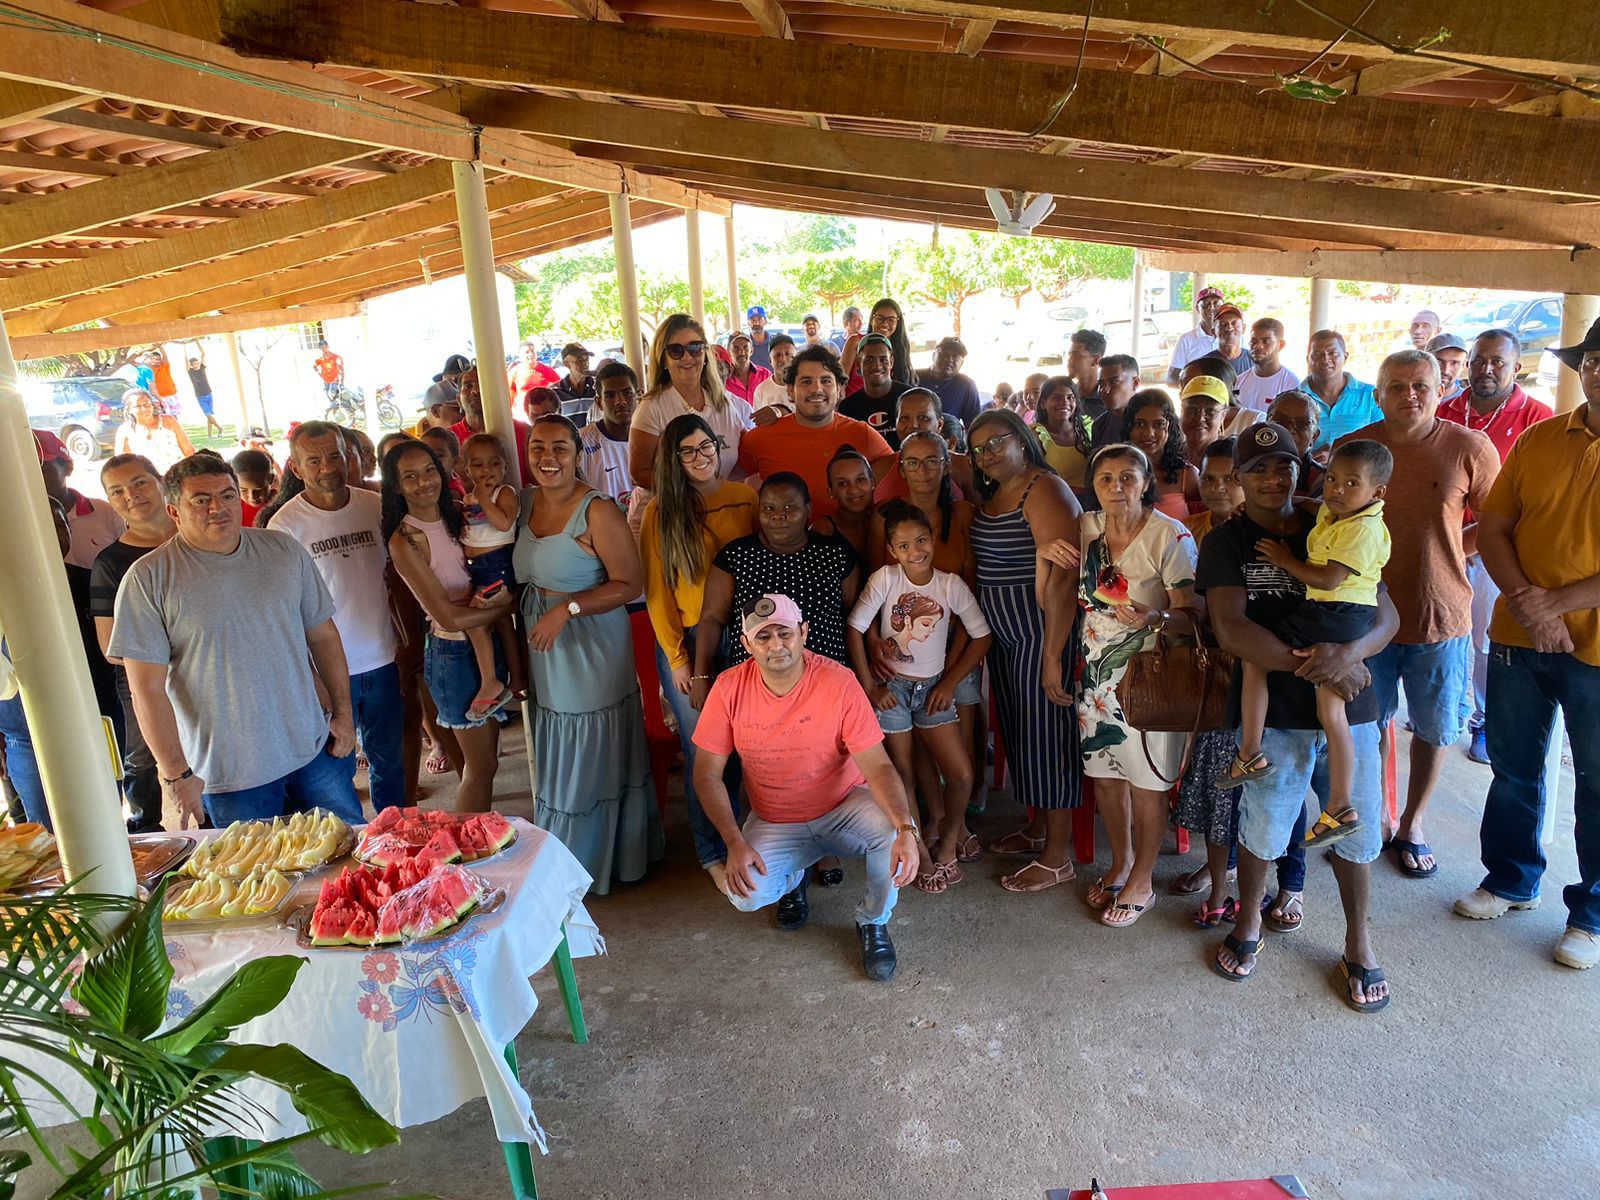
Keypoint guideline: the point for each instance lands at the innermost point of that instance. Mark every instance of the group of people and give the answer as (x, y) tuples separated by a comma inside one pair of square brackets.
[(842, 572)]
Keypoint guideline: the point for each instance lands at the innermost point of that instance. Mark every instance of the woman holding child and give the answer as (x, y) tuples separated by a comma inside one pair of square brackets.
[(581, 566)]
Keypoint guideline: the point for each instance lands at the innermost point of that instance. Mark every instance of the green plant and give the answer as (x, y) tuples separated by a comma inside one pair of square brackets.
[(91, 1005)]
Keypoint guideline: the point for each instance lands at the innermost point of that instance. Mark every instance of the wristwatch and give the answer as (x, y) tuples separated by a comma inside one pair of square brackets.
[(188, 773), (574, 609), (910, 828)]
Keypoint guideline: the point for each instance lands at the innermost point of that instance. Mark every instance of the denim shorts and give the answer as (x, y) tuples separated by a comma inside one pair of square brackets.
[(451, 672), (1435, 676), (492, 566), (912, 707), (970, 690), (1270, 809)]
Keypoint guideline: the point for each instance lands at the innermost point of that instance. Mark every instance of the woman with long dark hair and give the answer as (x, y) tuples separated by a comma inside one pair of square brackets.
[(422, 525), (1063, 431), (888, 321), (694, 514), (1152, 425), (1029, 604), (576, 554)]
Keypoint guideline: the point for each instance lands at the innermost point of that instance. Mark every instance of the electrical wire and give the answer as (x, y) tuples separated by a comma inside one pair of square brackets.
[(1060, 105)]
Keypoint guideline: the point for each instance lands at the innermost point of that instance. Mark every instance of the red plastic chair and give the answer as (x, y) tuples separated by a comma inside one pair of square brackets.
[(663, 742), (1391, 776)]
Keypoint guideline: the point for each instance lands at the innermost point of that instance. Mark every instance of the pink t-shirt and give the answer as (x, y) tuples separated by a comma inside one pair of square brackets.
[(796, 749)]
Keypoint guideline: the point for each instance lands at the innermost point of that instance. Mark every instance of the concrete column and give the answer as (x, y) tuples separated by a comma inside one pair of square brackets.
[(483, 299), (627, 284), (1136, 331), (231, 340), (735, 313), (36, 615), (1200, 282), (1321, 305), (375, 429), (697, 283), (1577, 314)]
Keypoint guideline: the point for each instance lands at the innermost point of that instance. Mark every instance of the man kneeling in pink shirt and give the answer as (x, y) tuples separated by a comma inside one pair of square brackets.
[(819, 780)]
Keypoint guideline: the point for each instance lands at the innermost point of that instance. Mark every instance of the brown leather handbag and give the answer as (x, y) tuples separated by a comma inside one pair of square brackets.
[(1176, 689)]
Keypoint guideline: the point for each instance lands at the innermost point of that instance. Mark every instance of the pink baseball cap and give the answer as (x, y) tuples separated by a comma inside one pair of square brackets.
[(771, 610)]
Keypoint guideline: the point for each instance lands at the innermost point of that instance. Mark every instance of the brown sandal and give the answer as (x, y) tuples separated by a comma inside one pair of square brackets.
[(1016, 844), (1058, 875)]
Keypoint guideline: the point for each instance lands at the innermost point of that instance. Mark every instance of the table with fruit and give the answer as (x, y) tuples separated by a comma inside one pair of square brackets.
[(421, 931)]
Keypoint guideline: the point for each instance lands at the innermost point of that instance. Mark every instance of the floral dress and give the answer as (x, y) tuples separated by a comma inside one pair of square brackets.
[(1159, 560)]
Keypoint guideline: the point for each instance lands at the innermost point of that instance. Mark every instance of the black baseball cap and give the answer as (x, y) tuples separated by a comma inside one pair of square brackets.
[(1265, 440)]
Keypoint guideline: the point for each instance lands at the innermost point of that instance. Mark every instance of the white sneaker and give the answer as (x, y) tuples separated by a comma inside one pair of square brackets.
[(1480, 905), (1578, 949)]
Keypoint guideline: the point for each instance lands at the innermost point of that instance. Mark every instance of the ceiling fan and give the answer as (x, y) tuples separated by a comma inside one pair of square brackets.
[(1019, 213)]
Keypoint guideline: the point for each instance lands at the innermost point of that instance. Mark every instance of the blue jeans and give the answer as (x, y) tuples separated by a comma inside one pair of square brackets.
[(375, 701), (21, 765), (324, 782), (1272, 810), (1435, 675), (708, 844), (1525, 688), (856, 828)]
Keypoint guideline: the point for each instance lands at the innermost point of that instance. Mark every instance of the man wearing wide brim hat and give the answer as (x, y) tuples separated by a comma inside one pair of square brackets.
[(1539, 534)]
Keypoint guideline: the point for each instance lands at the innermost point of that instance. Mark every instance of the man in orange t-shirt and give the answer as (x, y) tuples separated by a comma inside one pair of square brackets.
[(805, 441), (330, 369), (819, 780)]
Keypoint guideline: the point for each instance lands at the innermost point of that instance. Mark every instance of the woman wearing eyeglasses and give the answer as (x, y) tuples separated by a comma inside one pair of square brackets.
[(1030, 605), (694, 514), (682, 379)]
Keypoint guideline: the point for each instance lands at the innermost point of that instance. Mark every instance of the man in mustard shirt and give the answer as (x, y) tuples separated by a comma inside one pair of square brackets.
[(1539, 534)]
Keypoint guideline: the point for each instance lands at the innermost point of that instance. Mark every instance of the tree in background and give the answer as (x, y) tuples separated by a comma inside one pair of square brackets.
[(952, 272), (835, 278)]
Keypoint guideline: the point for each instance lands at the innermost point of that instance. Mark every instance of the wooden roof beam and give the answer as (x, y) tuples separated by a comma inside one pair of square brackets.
[(51, 345), (988, 92), (974, 37), (591, 10), (1521, 270), (770, 16), (200, 245), (872, 156), (1183, 53), (150, 189), (21, 101)]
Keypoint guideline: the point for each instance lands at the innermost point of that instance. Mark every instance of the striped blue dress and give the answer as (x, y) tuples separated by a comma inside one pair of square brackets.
[(1041, 738)]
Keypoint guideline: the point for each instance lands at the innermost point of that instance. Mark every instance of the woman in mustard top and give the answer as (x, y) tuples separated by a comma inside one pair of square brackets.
[(1064, 432), (694, 513)]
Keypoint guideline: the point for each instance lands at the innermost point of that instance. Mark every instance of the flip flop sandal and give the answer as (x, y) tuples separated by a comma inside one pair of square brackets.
[(1102, 893), (970, 850), (1416, 850), (1278, 924), (1210, 918), (1240, 947), (1241, 771), (1330, 829), (1021, 845), (1367, 977), (1057, 876), (1138, 910), (482, 710), (437, 763)]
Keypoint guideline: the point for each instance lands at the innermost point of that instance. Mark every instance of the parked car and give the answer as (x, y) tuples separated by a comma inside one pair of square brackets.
[(1536, 320), (1155, 347), (1043, 342), (83, 412)]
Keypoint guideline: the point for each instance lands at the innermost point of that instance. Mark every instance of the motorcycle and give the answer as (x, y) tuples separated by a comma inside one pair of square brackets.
[(349, 407)]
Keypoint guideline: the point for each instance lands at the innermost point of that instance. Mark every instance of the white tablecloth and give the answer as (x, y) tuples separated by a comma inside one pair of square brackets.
[(419, 1031)]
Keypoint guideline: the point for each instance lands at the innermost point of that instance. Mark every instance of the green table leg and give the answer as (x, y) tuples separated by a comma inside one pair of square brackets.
[(519, 1156), (569, 992)]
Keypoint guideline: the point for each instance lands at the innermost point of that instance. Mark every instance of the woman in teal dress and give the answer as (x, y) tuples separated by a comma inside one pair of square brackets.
[(592, 786)]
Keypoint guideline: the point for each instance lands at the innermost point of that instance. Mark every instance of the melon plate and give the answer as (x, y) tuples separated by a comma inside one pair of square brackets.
[(396, 834), (299, 920)]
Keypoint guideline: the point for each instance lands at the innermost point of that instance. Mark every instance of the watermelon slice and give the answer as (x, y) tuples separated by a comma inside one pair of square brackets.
[(1111, 587), (430, 907), (442, 847), (387, 819), (330, 923)]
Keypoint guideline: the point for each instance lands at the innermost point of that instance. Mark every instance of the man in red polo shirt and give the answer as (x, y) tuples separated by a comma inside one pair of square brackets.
[(1494, 404), (471, 398), (806, 440)]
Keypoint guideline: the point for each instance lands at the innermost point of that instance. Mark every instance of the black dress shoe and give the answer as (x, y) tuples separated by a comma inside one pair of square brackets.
[(877, 952), (794, 910), (828, 876)]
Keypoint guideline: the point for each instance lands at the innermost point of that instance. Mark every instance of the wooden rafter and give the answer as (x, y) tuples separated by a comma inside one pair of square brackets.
[(770, 16), (1184, 51), (987, 92), (591, 10), (1116, 183), (974, 36), (21, 101), (50, 345), (1531, 270)]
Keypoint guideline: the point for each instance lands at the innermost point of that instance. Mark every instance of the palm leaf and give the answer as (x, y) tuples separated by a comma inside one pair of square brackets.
[(258, 987), (126, 984), (329, 1101)]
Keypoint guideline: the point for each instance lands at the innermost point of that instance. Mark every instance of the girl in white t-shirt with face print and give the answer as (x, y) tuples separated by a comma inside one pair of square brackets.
[(913, 603)]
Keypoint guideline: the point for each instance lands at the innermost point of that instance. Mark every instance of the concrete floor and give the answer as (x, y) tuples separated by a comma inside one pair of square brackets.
[(1023, 1046)]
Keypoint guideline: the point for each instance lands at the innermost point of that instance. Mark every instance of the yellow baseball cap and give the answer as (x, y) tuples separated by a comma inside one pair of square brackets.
[(1209, 386)]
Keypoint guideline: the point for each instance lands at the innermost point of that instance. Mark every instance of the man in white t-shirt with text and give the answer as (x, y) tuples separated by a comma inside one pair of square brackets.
[(1268, 378), (339, 526)]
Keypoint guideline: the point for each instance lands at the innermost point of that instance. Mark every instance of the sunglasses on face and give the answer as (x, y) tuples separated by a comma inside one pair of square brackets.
[(676, 350)]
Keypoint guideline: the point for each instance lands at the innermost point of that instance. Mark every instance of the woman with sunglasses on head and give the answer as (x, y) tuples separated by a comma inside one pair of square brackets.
[(577, 555), (681, 378), (1029, 603), (694, 514)]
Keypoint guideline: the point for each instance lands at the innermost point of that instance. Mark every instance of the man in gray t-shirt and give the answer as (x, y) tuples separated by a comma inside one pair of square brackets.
[(219, 630)]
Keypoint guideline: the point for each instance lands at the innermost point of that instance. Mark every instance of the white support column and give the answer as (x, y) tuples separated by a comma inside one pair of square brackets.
[(627, 284), (41, 630), (1199, 285), (477, 255), (735, 313), (1136, 328), (1577, 314), (697, 283), (231, 340), (1321, 306), (369, 392)]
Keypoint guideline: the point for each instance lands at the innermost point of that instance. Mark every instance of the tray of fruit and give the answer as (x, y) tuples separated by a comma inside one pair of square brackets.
[(26, 851), (212, 899), (398, 834), (289, 845), (419, 900), (154, 854)]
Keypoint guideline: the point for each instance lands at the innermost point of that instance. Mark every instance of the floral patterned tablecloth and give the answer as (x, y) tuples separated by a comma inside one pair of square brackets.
[(420, 1030)]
